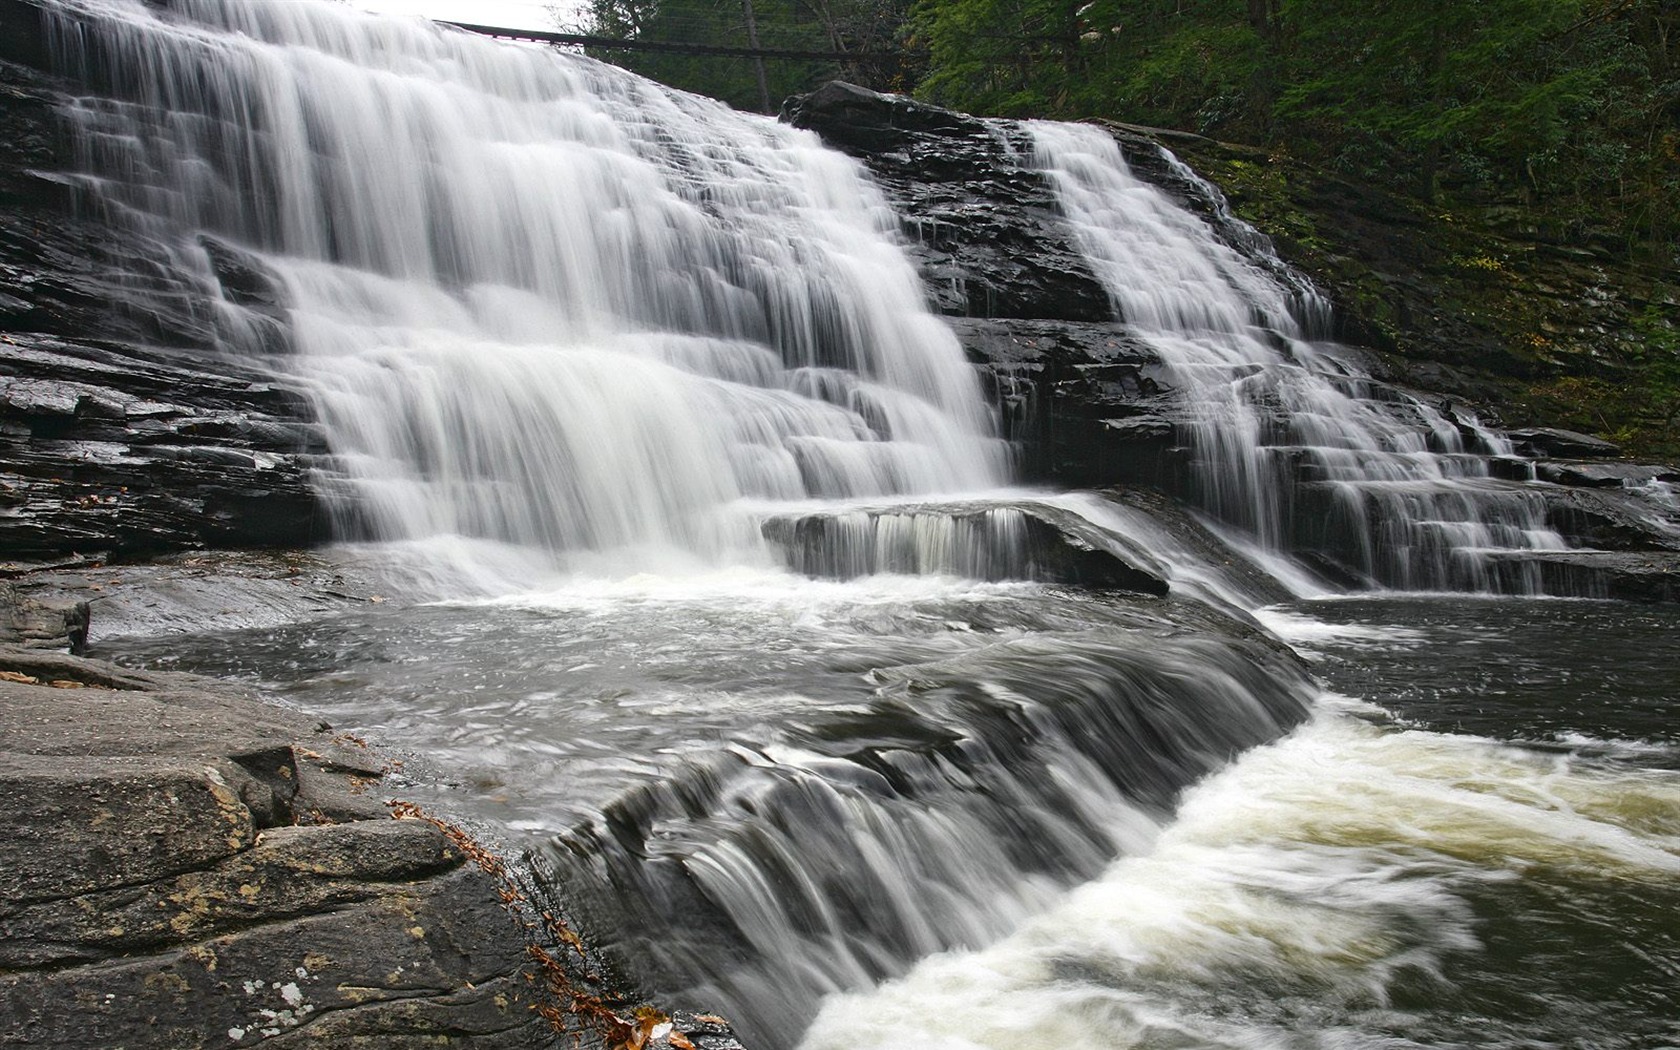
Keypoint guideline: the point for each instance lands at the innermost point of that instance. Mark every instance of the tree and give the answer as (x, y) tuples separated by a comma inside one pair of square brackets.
[(858, 34)]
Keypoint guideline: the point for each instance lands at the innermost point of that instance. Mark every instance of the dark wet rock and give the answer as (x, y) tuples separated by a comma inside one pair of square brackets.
[(1550, 441), (123, 427), (705, 1031), (1640, 576), (982, 224), (1603, 474), (181, 866), (1089, 404), (244, 278), (1613, 519), (124, 450), (1033, 543)]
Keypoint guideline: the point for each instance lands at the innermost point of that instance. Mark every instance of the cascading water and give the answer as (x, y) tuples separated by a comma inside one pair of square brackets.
[(539, 301), (552, 308), (549, 307), (1290, 442)]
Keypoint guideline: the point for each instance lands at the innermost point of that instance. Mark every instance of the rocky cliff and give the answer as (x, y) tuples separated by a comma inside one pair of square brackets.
[(123, 430), (1092, 406)]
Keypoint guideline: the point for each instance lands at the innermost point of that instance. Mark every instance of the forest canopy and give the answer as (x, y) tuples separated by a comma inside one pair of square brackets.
[(1570, 106)]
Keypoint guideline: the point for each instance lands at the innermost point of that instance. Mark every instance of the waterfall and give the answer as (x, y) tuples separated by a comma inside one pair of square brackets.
[(1291, 441), (576, 320), (538, 301), (968, 793)]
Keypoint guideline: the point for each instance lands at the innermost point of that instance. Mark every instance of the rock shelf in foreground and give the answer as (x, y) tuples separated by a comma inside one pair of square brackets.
[(184, 867)]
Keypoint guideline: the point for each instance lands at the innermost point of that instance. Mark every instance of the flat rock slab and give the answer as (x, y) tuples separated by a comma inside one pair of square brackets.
[(192, 593), (182, 866), (1639, 576)]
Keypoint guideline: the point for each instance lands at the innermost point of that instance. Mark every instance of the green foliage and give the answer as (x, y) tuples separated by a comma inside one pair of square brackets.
[(862, 28), (1009, 57), (1568, 106), (1154, 62), (1654, 354)]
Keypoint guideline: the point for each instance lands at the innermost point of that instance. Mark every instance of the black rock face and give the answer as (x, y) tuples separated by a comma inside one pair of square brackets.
[(981, 221), (122, 449), (124, 428), (1084, 400), (1088, 403)]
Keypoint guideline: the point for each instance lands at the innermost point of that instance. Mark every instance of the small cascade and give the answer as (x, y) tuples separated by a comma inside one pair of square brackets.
[(984, 544), (966, 796), (1021, 539), (1290, 441), (538, 301)]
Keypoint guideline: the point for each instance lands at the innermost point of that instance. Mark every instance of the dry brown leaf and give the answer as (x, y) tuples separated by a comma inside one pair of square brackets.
[(18, 676)]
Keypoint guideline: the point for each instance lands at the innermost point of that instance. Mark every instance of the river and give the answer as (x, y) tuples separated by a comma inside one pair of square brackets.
[(1471, 840)]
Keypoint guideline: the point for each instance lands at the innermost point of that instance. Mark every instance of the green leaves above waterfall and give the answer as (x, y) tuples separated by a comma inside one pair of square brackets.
[(1572, 105), (1569, 102)]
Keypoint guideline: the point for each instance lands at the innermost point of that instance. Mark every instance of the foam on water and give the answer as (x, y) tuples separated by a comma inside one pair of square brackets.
[(1296, 898)]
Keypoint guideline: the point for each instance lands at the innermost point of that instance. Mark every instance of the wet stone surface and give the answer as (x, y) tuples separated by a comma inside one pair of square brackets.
[(182, 866)]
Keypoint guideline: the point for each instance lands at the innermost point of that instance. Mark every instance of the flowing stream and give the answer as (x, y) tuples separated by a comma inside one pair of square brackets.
[(713, 596), (1292, 442)]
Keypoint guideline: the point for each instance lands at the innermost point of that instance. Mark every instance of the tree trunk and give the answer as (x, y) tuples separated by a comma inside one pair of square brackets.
[(758, 60)]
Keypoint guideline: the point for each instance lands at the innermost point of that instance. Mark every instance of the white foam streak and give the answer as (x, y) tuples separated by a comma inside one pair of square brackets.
[(1330, 863)]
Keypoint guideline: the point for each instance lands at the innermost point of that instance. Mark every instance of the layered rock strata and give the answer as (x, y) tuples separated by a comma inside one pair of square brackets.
[(182, 866), (124, 430)]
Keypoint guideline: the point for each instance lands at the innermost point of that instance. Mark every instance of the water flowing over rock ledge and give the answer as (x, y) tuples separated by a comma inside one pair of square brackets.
[(1092, 404)]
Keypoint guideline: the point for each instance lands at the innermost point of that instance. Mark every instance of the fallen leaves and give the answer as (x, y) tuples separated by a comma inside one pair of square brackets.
[(646, 1028), (52, 683)]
